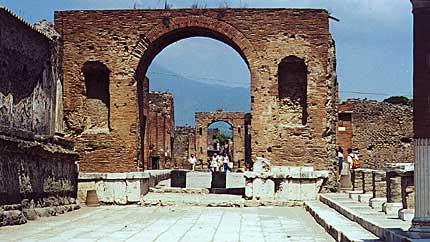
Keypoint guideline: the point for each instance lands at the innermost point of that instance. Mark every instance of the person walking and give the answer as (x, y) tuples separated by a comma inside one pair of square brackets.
[(214, 163), (226, 162), (353, 159), (220, 159), (340, 160), (192, 160)]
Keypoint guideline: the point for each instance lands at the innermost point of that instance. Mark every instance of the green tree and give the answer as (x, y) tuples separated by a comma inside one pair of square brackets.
[(222, 138), (399, 100)]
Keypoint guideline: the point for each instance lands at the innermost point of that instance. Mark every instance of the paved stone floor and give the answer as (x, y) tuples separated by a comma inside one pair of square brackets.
[(171, 224)]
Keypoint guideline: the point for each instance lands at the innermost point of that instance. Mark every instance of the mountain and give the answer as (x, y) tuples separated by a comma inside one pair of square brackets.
[(192, 96)]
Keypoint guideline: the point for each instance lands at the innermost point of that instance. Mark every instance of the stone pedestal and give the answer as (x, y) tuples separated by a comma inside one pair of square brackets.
[(219, 180), (379, 184), (345, 183), (178, 178)]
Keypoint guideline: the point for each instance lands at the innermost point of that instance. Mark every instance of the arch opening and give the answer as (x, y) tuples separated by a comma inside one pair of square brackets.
[(155, 47), (97, 103), (220, 138), (292, 89)]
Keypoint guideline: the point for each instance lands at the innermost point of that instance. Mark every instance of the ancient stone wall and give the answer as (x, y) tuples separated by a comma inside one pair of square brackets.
[(160, 126), (183, 145), (289, 129), (237, 122), (27, 81), (37, 169), (381, 132)]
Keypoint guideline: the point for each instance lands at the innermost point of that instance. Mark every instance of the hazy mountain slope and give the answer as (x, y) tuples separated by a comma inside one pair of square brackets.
[(192, 96)]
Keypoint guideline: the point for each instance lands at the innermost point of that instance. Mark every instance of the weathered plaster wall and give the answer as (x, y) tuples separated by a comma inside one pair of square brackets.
[(37, 169), (126, 41), (27, 87)]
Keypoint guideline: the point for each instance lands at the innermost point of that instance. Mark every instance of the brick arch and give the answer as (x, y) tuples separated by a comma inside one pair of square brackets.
[(172, 29), (227, 121), (234, 119)]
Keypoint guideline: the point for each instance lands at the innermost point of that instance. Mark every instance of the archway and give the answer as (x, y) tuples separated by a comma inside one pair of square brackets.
[(126, 42), (170, 31), (220, 139)]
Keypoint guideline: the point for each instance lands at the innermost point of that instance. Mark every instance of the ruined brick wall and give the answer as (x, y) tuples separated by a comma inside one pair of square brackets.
[(183, 145), (237, 122), (344, 130), (382, 132), (160, 129), (126, 41)]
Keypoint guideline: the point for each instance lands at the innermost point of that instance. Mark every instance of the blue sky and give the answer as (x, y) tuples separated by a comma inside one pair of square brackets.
[(373, 38)]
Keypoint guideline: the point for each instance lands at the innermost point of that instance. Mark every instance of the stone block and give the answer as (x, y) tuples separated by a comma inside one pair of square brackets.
[(42, 212), (392, 208), (248, 189), (406, 214), (30, 213), (262, 165), (365, 198), (354, 194), (134, 191), (308, 190), (120, 192), (178, 178), (376, 203), (83, 187), (105, 191), (263, 189), (219, 180), (198, 180)]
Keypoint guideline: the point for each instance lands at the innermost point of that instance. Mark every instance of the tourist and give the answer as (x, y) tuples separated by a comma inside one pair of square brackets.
[(220, 162), (209, 165), (340, 159), (214, 163), (353, 159), (346, 165), (192, 160), (226, 162)]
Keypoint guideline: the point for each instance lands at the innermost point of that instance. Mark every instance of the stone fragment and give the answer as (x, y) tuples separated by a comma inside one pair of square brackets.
[(263, 189), (30, 213)]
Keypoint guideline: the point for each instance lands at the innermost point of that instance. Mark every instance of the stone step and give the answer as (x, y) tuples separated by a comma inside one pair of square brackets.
[(338, 226), (385, 226)]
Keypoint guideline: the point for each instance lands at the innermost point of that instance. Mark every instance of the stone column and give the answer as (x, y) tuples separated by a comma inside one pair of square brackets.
[(421, 12)]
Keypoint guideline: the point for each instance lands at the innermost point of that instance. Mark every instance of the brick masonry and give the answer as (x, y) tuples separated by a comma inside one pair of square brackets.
[(184, 145), (160, 126), (126, 41), (237, 122), (379, 133)]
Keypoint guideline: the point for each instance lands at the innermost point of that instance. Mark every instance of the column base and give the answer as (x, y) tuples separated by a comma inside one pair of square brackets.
[(420, 225)]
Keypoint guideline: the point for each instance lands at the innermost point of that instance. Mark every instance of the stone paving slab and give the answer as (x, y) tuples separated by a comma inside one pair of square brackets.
[(172, 224)]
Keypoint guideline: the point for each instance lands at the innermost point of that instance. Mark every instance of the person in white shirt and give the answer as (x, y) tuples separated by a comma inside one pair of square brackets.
[(340, 159), (226, 162), (214, 163), (192, 160), (220, 159)]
